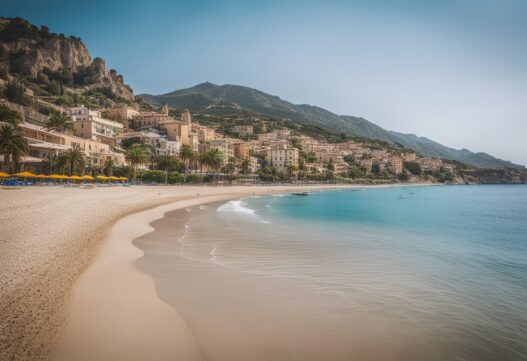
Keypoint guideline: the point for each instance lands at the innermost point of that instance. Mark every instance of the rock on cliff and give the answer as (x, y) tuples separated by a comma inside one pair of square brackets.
[(28, 50)]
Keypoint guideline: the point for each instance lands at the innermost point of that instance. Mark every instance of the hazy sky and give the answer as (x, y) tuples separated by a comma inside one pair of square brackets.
[(453, 71)]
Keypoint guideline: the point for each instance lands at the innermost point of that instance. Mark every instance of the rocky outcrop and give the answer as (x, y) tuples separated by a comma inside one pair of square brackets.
[(28, 51)]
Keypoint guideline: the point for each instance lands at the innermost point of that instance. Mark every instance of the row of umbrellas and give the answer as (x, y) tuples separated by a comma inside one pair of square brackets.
[(61, 176)]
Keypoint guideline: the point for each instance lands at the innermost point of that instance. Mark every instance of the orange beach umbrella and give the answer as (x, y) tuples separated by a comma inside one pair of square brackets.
[(25, 175), (3, 175)]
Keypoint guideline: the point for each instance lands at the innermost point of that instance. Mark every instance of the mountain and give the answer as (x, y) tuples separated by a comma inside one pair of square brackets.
[(208, 98), (42, 60)]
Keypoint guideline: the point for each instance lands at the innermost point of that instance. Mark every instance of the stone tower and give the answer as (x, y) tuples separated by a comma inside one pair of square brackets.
[(164, 109), (185, 117)]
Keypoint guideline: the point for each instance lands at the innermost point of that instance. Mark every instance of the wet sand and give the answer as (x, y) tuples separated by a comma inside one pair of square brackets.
[(236, 314), (50, 235)]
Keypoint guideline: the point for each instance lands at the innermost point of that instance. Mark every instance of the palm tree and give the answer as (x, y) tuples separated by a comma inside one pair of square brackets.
[(167, 162), (10, 116), (109, 165), (230, 168), (136, 155), (150, 151), (213, 159), (73, 160), (186, 154), (13, 145), (245, 166), (290, 170), (60, 122)]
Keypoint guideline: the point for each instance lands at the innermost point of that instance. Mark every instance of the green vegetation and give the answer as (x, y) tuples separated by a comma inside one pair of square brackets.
[(136, 155), (412, 167), (73, 161), (10, 116), (212, 159), (13, 146), (15, 92), (60, 122)]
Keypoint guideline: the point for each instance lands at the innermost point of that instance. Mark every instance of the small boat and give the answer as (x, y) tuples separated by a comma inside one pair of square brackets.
[(300, 194)]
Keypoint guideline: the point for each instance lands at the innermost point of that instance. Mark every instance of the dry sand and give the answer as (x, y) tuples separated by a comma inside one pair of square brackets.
[(49, 236)]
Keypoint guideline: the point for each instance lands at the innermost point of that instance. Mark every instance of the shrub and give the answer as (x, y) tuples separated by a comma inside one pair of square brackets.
[(153, 176), (16, 93), (193, 178), (413, 167), (10, 116), (175, 177)]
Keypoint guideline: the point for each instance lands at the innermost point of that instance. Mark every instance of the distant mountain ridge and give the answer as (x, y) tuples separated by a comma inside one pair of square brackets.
[(209, 98)]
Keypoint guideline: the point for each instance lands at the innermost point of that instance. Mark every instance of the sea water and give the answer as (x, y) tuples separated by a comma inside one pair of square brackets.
[(400, 273)]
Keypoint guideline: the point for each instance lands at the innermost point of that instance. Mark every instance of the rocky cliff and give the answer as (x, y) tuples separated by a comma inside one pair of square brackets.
[(26, 50)]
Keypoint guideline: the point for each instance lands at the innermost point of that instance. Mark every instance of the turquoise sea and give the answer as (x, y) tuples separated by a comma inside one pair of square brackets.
[(400, 273)]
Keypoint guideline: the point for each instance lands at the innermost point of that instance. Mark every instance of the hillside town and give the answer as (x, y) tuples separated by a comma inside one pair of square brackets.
[(104, 136), (65, 114)]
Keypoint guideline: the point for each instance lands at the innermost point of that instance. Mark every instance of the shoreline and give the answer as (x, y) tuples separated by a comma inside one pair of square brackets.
[(51, 236), (47, 255), (150, 328), (114, 278)]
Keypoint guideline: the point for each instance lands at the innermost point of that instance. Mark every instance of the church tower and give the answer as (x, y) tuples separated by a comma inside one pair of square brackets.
[(164, 109), (186, 118)]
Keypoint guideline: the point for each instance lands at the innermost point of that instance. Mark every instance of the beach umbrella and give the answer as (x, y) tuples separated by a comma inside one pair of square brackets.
[(25, 175), (102, 177), (3, 175), (55, 176), (76, 177), (113, 178), (41, 176), (87, 177)]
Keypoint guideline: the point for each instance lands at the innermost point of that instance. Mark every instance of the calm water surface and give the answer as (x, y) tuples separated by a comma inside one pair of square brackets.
[(403, 273)]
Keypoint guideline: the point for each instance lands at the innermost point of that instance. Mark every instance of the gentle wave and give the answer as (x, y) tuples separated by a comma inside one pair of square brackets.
[(236, 206)]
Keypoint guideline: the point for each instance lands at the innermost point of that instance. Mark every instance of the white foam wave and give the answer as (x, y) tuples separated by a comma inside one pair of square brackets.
[(235, 206)]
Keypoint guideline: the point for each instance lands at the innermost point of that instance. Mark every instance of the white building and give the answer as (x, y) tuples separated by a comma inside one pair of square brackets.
[(160, 143)]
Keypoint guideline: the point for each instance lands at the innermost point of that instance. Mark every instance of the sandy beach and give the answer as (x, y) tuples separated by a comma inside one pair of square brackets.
[(50, 236)]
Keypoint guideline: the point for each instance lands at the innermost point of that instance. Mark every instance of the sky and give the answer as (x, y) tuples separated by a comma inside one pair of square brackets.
[(451, 70)]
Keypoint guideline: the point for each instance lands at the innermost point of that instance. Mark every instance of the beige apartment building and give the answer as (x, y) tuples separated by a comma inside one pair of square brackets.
[(46, 145), (241, 150), (89, 124), (254, 165), (432, 164), (226, 147), (121, 113), (150, 120), (396, 165), (244, 130), (205, 134), (281, 157)]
